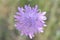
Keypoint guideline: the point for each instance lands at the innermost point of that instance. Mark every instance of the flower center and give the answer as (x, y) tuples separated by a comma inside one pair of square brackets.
[(29, 21)]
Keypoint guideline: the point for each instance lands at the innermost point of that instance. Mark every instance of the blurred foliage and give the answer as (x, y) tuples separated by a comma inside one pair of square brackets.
[(9, 7)]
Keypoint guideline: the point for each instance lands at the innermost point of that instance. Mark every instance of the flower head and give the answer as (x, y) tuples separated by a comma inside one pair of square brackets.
[(29, 20)]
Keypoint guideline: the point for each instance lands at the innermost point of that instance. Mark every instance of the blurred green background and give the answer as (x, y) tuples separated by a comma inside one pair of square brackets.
[(9, 7)]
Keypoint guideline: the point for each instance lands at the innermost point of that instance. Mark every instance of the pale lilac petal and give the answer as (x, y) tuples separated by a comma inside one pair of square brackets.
[(45, 25), (40, 29), (30, 36), (43, 13)]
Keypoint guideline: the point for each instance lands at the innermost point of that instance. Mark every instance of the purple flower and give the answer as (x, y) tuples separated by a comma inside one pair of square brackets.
[(29, 20)]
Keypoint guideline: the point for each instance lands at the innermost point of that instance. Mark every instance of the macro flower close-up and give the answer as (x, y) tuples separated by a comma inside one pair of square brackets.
[(30, 20)]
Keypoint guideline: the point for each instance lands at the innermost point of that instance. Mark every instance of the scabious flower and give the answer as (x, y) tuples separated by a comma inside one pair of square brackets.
[(29, 20)]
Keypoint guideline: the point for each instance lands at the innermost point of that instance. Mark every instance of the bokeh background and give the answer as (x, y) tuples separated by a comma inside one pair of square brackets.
[(9, 7)]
